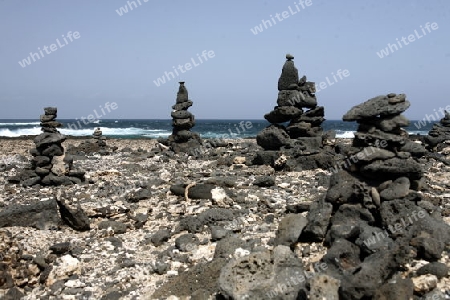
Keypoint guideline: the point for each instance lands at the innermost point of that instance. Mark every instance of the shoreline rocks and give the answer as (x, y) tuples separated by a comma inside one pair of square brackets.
[(169, 246)]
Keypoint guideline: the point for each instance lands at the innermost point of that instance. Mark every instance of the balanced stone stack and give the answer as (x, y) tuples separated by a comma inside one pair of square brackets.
[(95, 145), (182, 139), (439, 133), (99, 139), (301, 140), (383, 149), (50, 165), (304, 128), (372, 218)]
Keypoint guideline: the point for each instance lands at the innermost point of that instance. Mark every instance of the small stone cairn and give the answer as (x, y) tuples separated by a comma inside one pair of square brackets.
[(95, 145), (50, 165), (100, 140), (372, 218), (182, 139), (440, 133), (304, 128)]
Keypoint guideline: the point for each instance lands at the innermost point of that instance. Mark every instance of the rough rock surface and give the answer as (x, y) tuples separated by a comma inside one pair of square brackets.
[(146, 242)]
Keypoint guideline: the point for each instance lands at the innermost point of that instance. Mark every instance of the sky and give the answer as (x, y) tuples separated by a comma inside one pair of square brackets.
[(117, 56)]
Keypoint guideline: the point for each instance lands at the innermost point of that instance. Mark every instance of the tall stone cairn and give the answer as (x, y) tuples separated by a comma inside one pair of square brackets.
[(182, 138), (304, 128), (439, 133), (373, 219), (50, 165)]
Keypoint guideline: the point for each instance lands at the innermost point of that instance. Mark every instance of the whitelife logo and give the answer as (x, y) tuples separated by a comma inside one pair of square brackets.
[(187, 66), (124, 9), (53, 47), (391, 48), (265, 24)]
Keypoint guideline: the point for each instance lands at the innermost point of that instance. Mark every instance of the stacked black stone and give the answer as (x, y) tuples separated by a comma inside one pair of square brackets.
[(49, 163), (372, 214), (304, 127), (99, 138), (182, 137), (385, 149), (440, 132)]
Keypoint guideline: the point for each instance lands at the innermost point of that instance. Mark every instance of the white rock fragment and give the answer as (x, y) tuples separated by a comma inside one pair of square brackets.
[(239, 252), (165, 175), (74, 284), (68, 266), (239, 160), (424, 283), (220, 198)]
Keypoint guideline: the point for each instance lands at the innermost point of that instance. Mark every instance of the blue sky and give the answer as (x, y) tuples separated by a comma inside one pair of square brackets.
[(118, 58)]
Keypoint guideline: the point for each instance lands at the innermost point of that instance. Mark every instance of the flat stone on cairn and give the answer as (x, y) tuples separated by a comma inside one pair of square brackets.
[(182, 139), (439, 133), (382, 148), (50, 165), (305, 128)]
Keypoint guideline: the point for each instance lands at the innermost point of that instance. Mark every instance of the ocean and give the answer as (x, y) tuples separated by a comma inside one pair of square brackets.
[(132, 129)]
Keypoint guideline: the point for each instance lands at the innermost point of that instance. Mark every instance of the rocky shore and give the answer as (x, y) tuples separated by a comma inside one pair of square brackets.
[(163, 225)]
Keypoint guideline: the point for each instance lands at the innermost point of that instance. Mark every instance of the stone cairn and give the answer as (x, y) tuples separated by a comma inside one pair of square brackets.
[(304, 131), (373, 219), (439, 133), (100, 140), (182, 139), (50, 165), (97, 144)]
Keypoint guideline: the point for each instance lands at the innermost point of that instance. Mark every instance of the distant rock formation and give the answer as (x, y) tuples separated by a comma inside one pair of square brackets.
[(439, 133), (92, 146), (182, 138), (50, 165), (304, 128)]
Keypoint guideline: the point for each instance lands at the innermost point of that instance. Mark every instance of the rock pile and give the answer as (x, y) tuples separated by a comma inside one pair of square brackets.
[(50, 165), (294, 95), (97, 144), (303, 132), (439, 133), (381, 146), (100, 142), (372, 218), (182, 139)]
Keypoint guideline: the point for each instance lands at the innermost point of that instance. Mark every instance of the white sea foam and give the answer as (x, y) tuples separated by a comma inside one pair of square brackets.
[(19, 124), (20, 132), (345, 134)]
